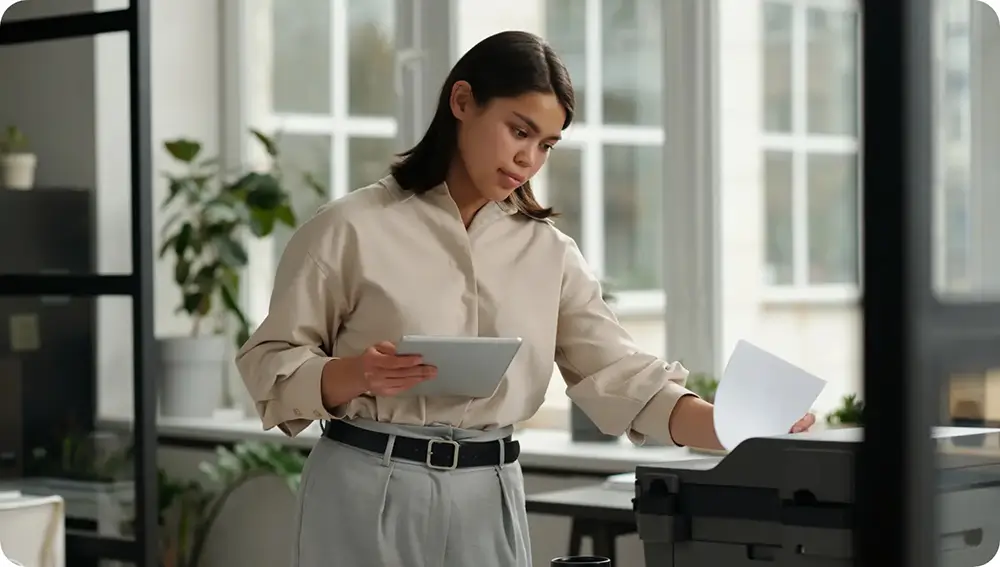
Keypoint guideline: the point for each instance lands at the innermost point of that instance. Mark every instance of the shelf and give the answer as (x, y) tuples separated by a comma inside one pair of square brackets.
[(85, 24), (68, 285)]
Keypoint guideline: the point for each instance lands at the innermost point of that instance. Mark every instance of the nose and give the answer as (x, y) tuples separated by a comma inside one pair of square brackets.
[(525, 159)]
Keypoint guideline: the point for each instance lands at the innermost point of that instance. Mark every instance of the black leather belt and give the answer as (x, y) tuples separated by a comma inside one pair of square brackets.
[(443, 454)]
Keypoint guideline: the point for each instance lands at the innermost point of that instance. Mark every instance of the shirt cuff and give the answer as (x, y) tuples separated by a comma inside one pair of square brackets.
[(301, 395), (654, 418)]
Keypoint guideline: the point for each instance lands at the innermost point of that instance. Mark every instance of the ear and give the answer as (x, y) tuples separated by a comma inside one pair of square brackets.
[(462, 102)]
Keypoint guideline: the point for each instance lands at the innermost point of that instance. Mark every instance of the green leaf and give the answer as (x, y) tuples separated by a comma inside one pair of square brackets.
[(183, 239), (261, 222), (205, 278), (183, 150), (265, 193), (167, 245), (192, 302), (174, 188), (310, 180), (182, 270), (286, 215), (231, 252), (269, 146)]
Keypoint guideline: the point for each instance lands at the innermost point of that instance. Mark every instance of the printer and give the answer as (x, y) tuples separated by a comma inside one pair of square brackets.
[(787, 501)]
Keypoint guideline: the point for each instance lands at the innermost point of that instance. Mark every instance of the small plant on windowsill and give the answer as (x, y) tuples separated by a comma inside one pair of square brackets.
[(211, 213), (849, 414), (17, 162), (704, 385)]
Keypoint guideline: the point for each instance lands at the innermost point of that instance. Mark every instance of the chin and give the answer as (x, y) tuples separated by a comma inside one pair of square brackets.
[(498, 193)]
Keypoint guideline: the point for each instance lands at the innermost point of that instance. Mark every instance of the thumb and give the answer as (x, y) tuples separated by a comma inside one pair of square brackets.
[(385, 347)]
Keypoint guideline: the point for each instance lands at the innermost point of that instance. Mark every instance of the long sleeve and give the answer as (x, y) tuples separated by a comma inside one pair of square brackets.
[(621, 388), (283, 361)]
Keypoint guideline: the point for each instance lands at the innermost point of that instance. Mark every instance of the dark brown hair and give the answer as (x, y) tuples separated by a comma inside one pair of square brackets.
[(504, 65)]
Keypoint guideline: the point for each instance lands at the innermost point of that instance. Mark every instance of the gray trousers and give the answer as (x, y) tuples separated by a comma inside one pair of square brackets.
[(361, 509)]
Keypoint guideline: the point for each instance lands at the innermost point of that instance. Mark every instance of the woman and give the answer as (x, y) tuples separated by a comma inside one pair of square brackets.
[(453, 242)]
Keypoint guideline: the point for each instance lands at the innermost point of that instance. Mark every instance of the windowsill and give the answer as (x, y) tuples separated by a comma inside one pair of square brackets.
[(819, 296), (639, 304), (542, 450)]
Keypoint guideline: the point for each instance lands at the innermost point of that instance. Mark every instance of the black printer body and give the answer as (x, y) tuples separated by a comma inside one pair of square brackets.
[(788, 502)]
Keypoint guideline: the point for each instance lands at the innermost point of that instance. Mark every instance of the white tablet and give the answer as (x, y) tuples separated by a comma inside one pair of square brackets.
[(466, 366)]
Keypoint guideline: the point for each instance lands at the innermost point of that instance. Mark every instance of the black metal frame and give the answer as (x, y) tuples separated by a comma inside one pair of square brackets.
[(138, 285), (893, 472), (912, 339)]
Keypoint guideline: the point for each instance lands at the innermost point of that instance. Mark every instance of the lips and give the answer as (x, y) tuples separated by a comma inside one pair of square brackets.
[(511, 180)]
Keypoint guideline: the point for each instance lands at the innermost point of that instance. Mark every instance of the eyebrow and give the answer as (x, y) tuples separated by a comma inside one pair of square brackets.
[(534, 126)]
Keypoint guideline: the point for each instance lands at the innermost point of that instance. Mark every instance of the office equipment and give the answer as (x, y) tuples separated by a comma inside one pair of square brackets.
[(466, 366), (789, 500), (48, 343)]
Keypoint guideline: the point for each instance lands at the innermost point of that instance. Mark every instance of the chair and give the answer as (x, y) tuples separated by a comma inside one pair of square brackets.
[(32, 530)]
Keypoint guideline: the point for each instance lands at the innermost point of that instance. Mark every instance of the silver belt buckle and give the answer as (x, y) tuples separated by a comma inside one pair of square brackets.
[(430, 453)]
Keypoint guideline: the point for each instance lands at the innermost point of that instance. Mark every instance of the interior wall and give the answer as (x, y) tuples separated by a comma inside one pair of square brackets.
[(71, 99)]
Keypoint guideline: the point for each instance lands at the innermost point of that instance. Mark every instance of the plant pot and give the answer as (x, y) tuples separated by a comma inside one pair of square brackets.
[(582, 429), (193, 369), (18, 171)]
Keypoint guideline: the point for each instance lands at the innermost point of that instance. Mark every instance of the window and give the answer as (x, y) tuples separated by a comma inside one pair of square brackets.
[(606, 177), (810, 126), (332, 92)]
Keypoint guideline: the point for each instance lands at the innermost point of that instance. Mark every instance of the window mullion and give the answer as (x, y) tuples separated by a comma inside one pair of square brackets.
[(339, 72), (593, 154), (800, 178)]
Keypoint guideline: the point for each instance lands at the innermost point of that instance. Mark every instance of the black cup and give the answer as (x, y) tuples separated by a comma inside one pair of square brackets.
[(586, 560)]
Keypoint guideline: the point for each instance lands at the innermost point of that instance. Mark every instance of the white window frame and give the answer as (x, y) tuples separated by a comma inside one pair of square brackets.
[(421, 70), (800, 145)]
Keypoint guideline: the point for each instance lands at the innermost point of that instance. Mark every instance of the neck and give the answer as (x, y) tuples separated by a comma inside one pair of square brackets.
[(463, 192)]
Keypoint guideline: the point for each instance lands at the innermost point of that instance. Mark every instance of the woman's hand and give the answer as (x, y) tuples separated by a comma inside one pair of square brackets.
[(803, 424), (385, 373), (379, 371)]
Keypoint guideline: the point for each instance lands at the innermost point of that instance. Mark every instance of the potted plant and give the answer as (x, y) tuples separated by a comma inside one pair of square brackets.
[(704, 385), (17, 163), (849, 414), (211, 214), (189, 509)]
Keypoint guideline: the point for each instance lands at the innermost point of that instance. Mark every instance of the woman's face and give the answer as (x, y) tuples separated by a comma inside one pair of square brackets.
[(506, 141)]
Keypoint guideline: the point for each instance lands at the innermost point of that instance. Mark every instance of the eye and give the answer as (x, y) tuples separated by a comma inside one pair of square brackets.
[(548, 147), (519, 132)]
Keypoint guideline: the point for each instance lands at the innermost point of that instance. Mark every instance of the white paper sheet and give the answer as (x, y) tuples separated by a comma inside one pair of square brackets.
[(761, 395)]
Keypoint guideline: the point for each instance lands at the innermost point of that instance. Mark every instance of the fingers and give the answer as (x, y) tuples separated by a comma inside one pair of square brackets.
[(384, 356), (804, 424), (385, 347), (419, 371)]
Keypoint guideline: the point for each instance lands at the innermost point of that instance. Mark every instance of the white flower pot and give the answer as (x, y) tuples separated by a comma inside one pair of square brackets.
[(18, 171), (193, 369)]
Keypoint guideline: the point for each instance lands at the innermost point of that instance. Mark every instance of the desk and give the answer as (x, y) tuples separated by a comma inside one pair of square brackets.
[(600, 513), (543, 451)]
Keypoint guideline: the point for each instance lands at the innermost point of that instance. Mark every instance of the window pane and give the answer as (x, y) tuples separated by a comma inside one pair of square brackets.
[(778, 220), (564, 182), (831, 60), (633, 206), (777, 67), (302, 153), (833, 219), (565, 30), (368, 160), (954, 191), (632, 62), (371, 84), (300, 66)]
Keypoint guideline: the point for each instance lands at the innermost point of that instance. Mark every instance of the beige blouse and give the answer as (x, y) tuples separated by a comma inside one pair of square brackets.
[(381, 263)]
